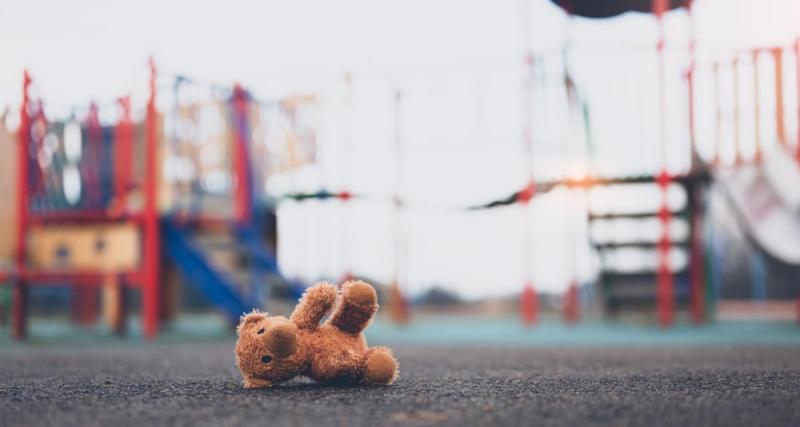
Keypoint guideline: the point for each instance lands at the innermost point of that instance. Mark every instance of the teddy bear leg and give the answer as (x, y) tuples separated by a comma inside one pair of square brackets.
[(381, 366), (358, 304)]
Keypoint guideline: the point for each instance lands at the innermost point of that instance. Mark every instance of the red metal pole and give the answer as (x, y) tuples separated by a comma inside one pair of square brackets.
[(529, 299), (571, 304), (757, 106), (529, 305), (152, 244), (242, 191), (123, 159), (19, 296), (780, 125), (737, 136), (92, 159), (690, 81), (692, 131), (665, 286)]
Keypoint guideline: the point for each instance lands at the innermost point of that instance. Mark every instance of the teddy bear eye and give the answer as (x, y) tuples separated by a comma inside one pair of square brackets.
[(266, 359), (260, 331)]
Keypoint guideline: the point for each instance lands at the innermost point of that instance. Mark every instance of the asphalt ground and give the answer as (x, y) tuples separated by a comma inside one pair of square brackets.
[(198, 384)]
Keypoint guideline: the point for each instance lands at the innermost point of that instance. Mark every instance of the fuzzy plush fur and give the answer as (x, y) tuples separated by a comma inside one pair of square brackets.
[(274, 349)]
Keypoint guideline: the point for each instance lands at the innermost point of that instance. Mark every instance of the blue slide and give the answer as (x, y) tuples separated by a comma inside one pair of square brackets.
[(233, 290)]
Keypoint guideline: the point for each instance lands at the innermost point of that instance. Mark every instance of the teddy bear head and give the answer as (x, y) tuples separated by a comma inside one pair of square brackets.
[(267, 349)]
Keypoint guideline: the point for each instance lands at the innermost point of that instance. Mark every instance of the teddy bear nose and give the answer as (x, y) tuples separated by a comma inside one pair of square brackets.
[(266, 358)]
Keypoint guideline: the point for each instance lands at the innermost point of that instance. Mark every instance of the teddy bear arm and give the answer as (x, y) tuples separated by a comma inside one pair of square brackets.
[(315, 303), (357, 306)]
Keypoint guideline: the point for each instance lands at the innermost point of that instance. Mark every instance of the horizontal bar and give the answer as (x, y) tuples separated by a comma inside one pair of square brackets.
[(81, 217), (77, 278)]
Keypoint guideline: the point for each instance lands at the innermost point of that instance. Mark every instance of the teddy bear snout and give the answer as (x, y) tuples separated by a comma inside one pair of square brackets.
[(280, 340)]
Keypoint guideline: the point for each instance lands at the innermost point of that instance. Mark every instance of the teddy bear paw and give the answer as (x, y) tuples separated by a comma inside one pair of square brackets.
[(381, 367)]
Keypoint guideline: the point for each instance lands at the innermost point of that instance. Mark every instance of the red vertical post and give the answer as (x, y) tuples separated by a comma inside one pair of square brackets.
[(737, 136), (757, 106), (571, 304), (345, 198), (19, 295), (529, 305), (692, 130), (123, 158), (690, 72), (92, 159), (152, 244), (659, 7), (780, 122), (529, 300), (665, 286), (242, 191)]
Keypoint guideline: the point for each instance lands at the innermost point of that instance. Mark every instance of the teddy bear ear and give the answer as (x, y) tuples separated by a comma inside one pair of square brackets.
[(249, 320)]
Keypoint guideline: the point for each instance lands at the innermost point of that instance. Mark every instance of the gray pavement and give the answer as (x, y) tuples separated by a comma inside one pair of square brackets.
[(197, 384)]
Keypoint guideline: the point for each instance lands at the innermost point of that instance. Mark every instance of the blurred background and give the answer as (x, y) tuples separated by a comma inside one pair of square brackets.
[(530, 171)]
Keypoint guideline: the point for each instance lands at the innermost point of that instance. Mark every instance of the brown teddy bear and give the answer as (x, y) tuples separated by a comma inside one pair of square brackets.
[(274, 349)]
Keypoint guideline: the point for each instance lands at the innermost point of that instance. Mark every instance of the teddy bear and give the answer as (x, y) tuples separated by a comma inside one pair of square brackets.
[(273, 349)]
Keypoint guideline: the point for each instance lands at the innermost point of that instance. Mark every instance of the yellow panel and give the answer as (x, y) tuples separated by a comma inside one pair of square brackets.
[(114, 247)]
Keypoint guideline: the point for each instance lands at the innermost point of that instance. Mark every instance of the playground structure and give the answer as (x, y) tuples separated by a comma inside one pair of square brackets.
[(89, 214), (42, 203), (213, 226), (763, 194)]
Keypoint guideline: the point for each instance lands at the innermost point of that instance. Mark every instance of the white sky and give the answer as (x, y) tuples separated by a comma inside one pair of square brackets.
[(458, 64)]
